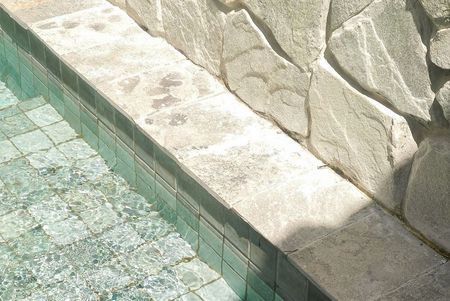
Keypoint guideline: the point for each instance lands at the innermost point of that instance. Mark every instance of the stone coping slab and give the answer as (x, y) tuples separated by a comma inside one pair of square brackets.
[(307, 232)]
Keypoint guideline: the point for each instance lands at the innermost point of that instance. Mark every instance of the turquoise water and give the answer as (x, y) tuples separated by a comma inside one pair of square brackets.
[(71, 229)]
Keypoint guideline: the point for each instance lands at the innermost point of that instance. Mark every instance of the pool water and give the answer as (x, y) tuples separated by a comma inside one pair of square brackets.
[(71, 229)]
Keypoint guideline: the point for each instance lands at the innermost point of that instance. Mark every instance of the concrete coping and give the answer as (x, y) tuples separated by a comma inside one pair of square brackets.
[(283, 209)]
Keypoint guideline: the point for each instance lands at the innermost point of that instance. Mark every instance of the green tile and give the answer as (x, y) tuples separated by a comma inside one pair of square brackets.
[(188, 234), (264, 256), (106, 136), (209, 234), (235, 259), (145, 172), (73, 120), (105, 111), (291, 282), (169, 214), (127, 172), (108, 154), (316, 294), (57, 101), (87, 94), (145, 190), (7, 23), (165, 193), (22, 37), (124, 128), (89, 120), (71, 103), (189, 214), (52, 62), (54, 86), (254, 280), (37, 48), (144, 148), (124, 153), (208, 255), (237, 231), (252, 295), (90, 137), (166, 166), (69, 77), (237, 284)]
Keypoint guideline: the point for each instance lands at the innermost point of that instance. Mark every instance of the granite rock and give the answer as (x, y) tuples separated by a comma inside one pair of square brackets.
[(427, 202), (382, 50), (438, 10), (443, 97), (147, 13), (195, 28), (260, 77), (370, 143), (440, 49)]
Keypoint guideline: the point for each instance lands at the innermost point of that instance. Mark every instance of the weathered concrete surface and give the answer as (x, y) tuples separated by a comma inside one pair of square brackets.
[(440, 48), (148, 13), (30, 11), (427, 200), (196, 28), (443, 97), (431, 286), (381, 49), (85, 29), (438, 10), (260, 77), (367, 259), (305, 208), (122, 59), (342, 10), (225, 135), (370, 143), (160, 88)]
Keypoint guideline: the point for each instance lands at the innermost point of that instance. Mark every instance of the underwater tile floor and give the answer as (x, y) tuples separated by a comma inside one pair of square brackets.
[(71, 229)]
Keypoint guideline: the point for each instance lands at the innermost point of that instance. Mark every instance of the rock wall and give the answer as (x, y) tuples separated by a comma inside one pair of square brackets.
[(363, 84)]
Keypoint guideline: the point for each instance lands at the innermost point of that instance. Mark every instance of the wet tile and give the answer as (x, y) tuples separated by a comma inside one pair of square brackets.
[(92, 168), (110, 277), (9, 151), (63, 179), (189, 297), (218, 291), (20, 178), (32, 243), (48, 159), (11, 111), (32, 142), (73, 289), (152, 227), (17, 283), (7, 257), (66, 231), (144, 261), (76, 149), (174, 249), (60, 132), (35, 296), (32, 103), (44, 115), (100, 218), (121, 239), (15, 125), (15, 224), (87, 253), (165, 285), (132, 293), (8, 98), (49, 210), (131, 205), (194, 274), (111, 185), (84, 198), (50, 268)]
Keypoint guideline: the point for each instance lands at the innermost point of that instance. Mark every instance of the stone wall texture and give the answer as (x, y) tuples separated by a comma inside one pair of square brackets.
[(364, 84)]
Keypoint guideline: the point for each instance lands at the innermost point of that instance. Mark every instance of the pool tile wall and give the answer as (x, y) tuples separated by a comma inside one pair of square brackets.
[(251, 265)]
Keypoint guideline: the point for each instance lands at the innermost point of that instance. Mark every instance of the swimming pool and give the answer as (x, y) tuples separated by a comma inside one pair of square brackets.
[(72, 229)]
